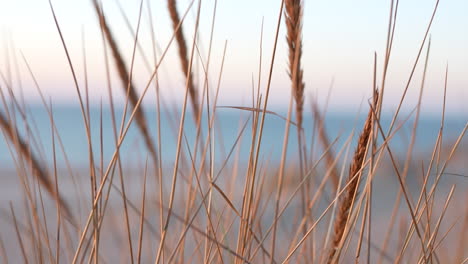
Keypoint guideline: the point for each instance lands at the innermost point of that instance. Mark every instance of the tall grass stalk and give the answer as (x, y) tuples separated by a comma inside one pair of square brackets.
[(202, 193)]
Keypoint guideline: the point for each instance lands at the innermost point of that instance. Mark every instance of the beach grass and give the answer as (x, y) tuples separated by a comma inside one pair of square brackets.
[(320, 204)]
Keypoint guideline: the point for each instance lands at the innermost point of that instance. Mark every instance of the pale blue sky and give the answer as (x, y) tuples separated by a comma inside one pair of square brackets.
[(340, 38)]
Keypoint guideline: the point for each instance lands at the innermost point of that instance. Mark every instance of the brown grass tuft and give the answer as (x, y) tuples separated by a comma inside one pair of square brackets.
[(355, 172), (125, 78), (293, 12), (183, 56), (38, 171)]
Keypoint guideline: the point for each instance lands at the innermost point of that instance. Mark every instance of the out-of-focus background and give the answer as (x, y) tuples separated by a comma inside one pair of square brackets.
[(340, 41)]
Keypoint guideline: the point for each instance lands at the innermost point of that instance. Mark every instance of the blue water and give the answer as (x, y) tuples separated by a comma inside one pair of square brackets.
[(71, 129)]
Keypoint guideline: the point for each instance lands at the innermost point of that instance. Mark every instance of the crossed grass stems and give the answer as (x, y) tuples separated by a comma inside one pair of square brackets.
[(349, 195)]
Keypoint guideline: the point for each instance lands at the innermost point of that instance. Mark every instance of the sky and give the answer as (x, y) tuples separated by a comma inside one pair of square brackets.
[(339, 41)]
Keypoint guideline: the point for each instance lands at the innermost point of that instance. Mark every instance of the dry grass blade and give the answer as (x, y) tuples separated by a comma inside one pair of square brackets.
[(125, 78), (231, 205), (38, 171), (248, 192), (258, 110), (18, 234), (432, 239), (179, 141), (142, 218), (183, 56), (347, 199)]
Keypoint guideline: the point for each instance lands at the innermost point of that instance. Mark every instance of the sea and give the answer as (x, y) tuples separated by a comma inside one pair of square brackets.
[(232, 127)]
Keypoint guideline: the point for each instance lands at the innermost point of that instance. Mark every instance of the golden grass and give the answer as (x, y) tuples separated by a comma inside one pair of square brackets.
[(352, 183), (223, 204)]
